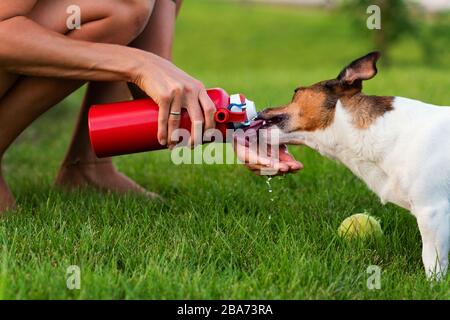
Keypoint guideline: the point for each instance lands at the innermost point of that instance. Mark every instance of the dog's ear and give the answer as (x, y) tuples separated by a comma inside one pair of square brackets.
[(364, 68)]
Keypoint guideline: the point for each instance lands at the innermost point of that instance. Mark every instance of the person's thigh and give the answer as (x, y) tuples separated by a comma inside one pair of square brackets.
[(127, 17), (107, 21)]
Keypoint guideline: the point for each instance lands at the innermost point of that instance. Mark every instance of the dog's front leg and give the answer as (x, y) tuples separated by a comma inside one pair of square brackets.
[(434, 225)]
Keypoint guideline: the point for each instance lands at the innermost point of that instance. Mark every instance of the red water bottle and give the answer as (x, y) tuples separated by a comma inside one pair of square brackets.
[(132, 126)]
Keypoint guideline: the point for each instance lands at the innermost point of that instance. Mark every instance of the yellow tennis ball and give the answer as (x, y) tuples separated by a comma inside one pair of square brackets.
[(359, 226)]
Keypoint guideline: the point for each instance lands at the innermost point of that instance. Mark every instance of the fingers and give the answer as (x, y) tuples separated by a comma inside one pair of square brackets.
[(209, 109), (272, 164), (193, 96), (172, 89), (163, 116), (197, 119), (258, 164), (174, 121), (293, 165), (255, 168), (248, 154), (262, 170), (201, 111), (288, 159)]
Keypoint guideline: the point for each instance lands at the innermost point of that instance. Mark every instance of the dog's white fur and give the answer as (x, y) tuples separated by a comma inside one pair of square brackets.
[(404, 157)]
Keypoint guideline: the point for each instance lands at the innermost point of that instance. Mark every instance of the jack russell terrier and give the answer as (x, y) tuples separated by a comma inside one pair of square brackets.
[(400, 147)]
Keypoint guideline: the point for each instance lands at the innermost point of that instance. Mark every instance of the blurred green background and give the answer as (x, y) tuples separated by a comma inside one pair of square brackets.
[(219, 235)]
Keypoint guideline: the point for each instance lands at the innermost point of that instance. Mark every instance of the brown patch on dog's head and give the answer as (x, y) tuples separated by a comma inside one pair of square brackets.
[(312, 108), (366, 109), (315, 106)]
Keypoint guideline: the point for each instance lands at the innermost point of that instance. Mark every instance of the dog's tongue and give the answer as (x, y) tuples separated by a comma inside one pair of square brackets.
[(255, 125)]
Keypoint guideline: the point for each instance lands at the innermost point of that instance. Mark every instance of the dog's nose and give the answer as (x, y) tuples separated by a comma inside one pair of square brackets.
[(261, 115), (258, 116), (268, 114)]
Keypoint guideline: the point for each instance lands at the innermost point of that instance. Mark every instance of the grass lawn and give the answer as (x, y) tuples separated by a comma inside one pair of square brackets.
[(219, 235)]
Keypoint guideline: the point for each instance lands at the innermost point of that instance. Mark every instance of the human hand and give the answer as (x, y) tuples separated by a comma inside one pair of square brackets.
[(275, 161), (173, 89)]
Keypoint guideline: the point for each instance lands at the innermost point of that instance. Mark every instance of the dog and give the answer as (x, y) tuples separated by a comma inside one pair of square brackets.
[(399, 147)]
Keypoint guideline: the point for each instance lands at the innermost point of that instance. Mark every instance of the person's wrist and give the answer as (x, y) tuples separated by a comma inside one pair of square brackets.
[(137, 62)]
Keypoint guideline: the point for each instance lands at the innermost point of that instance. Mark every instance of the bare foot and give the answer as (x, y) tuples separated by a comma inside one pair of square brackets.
[(100, 175), (7, 201)]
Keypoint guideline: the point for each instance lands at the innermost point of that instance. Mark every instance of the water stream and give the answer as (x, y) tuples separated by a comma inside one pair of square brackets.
[(270, 191)]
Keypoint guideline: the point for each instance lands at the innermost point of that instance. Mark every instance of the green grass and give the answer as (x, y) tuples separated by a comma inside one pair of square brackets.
[(219, 235)]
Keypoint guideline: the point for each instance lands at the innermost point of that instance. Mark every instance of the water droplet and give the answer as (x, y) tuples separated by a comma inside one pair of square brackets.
[(270, 186), (268, 183)]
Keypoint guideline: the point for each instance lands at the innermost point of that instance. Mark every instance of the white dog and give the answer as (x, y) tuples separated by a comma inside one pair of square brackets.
[(400, 147)]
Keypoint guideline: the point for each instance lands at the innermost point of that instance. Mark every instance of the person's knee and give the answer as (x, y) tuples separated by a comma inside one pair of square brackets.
[(133, 15)]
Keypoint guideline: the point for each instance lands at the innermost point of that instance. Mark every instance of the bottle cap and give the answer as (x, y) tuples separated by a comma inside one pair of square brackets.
[(239, 103)]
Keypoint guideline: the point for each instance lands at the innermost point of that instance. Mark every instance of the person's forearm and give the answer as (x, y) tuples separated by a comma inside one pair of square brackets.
[(27, 48)]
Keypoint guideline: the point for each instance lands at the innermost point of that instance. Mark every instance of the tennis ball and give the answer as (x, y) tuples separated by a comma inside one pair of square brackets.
[(359, 226)]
